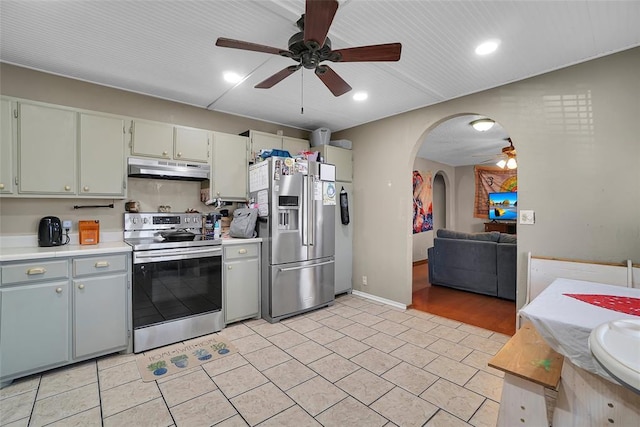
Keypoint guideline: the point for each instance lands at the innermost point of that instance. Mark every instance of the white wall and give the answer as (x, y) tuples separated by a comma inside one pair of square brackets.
[(571, 169)]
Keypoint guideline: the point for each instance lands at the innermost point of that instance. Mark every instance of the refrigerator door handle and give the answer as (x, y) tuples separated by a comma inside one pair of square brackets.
[(305, 211), (305, 266), (312, 210)]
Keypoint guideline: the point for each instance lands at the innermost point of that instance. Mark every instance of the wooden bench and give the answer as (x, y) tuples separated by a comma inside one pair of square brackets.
[(530, 366)]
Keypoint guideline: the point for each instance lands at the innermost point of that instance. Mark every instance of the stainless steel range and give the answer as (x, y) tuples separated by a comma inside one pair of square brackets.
[(177, 278)]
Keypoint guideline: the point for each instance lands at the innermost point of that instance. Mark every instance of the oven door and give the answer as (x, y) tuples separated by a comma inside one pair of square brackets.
[(177, 295)]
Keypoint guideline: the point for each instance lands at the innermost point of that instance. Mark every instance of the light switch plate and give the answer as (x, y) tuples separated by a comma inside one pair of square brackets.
[(527, 217)]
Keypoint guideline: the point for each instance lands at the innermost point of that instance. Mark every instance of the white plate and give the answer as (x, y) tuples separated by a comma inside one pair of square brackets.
[(616, 346)]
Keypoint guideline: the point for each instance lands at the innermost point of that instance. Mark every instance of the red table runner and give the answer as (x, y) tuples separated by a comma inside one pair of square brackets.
[(627, 305)]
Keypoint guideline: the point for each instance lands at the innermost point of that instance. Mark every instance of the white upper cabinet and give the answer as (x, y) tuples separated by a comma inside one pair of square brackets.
[(7, 147), (269, 141), (166, 141), (294, 145), (152, 139), (191, 144), (342, 158), (46, 150), (230, 167), (102, 145)]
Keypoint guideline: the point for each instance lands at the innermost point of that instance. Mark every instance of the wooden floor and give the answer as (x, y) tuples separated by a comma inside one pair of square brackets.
[(486, 312)]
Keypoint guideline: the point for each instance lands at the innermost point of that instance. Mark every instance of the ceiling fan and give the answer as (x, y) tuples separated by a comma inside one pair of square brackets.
[(507, 158), (311, 46)]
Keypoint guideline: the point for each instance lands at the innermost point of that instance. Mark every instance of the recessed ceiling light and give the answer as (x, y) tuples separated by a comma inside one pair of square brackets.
[(232, 77), (487, 47), (360, 96)]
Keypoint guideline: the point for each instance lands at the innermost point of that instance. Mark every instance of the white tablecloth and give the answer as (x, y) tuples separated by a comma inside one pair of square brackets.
[(565, 322)]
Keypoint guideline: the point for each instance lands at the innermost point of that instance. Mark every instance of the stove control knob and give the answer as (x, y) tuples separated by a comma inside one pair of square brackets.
[(187, 220), (146, 220), (196, 219), (134, 220)]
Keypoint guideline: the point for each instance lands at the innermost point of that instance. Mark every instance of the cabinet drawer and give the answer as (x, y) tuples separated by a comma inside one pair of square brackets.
[(34, 271), (99, 264), (241, 251)]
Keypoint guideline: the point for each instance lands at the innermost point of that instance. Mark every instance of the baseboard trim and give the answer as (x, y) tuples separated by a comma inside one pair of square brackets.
[(420, 262), (379, 299)]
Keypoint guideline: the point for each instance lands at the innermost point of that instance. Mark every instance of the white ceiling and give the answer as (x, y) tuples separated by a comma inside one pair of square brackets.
[(167, 49)]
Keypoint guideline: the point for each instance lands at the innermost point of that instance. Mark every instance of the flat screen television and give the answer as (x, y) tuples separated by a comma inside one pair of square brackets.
[(503, 206)]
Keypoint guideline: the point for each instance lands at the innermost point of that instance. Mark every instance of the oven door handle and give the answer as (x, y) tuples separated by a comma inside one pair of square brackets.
[(193, 253)]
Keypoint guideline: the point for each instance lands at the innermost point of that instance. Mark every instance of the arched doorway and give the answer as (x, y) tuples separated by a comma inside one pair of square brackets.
[(449, 155)]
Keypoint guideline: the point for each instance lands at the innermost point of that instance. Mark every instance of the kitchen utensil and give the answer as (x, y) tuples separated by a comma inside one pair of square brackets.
[(50, 231), (178, 235), (132, 206)]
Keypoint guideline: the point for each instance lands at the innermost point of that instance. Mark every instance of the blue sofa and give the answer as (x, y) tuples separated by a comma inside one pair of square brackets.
[(483, 263)]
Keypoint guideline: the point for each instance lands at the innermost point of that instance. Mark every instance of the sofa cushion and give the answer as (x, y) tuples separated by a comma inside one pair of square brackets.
[(507, 238), (490, 236)]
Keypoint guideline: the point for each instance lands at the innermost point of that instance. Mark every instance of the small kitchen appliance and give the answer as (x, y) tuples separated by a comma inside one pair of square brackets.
[(89, 232), (50, 231)]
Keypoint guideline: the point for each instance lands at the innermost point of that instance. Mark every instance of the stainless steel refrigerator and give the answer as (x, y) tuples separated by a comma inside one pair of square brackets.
[(296, 203)]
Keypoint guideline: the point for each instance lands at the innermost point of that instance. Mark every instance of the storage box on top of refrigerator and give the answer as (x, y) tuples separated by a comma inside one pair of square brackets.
[(296, 202)]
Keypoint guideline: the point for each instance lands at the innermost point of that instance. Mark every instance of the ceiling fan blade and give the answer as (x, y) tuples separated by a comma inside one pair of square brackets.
[(277, 77), (238, 44), (317, 20), (378, 52), (332, 80)]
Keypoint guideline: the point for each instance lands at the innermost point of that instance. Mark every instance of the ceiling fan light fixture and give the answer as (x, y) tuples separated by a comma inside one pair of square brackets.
[(511, 163), (360, 96), (482, 125), (502, 163), (231, 77)]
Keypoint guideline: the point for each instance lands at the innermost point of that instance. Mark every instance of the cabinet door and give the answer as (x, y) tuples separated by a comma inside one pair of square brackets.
[(191, 144), (241, 289), (101, 155), (294, 145), (230, 166), (342, 158), (34, 327), (264, 141), (100, 314), (152, 139), (46, 150), (7, 150)]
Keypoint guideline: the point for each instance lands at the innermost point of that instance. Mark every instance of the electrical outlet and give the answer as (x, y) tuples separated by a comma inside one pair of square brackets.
[(364, 281), (527, 217), (66, 224)]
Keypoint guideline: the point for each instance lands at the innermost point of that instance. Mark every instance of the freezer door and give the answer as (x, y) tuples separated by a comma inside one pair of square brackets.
[(287, 207), (300, 286)]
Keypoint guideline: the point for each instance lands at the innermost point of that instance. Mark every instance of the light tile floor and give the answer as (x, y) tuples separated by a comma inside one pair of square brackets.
[(356, 363)]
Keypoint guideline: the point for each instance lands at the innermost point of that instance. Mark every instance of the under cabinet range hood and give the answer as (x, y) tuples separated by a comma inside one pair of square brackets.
[(167, 169)]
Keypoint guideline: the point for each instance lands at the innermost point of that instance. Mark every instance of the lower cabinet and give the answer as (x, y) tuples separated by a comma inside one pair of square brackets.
[(241, 282), (34, 328), (62, 310)]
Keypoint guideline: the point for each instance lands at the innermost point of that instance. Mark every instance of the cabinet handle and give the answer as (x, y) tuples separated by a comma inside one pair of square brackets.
[(36, 270), (102, 264), (179, 154), (86, 188), (164, 153), (67, 188), (230, 267), (1, 186), (58, 290), (242, 251), (81, 286)]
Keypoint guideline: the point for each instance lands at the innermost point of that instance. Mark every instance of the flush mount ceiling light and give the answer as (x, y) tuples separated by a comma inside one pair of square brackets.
[(232, 77), (487, 47), (360, 96), (482, 125)]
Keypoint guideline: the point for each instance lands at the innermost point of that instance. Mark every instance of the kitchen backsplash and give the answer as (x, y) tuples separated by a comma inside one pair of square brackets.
[(21, 216)]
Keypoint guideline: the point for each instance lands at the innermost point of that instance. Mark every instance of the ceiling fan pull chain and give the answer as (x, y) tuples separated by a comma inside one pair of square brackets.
[(302, 91)]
